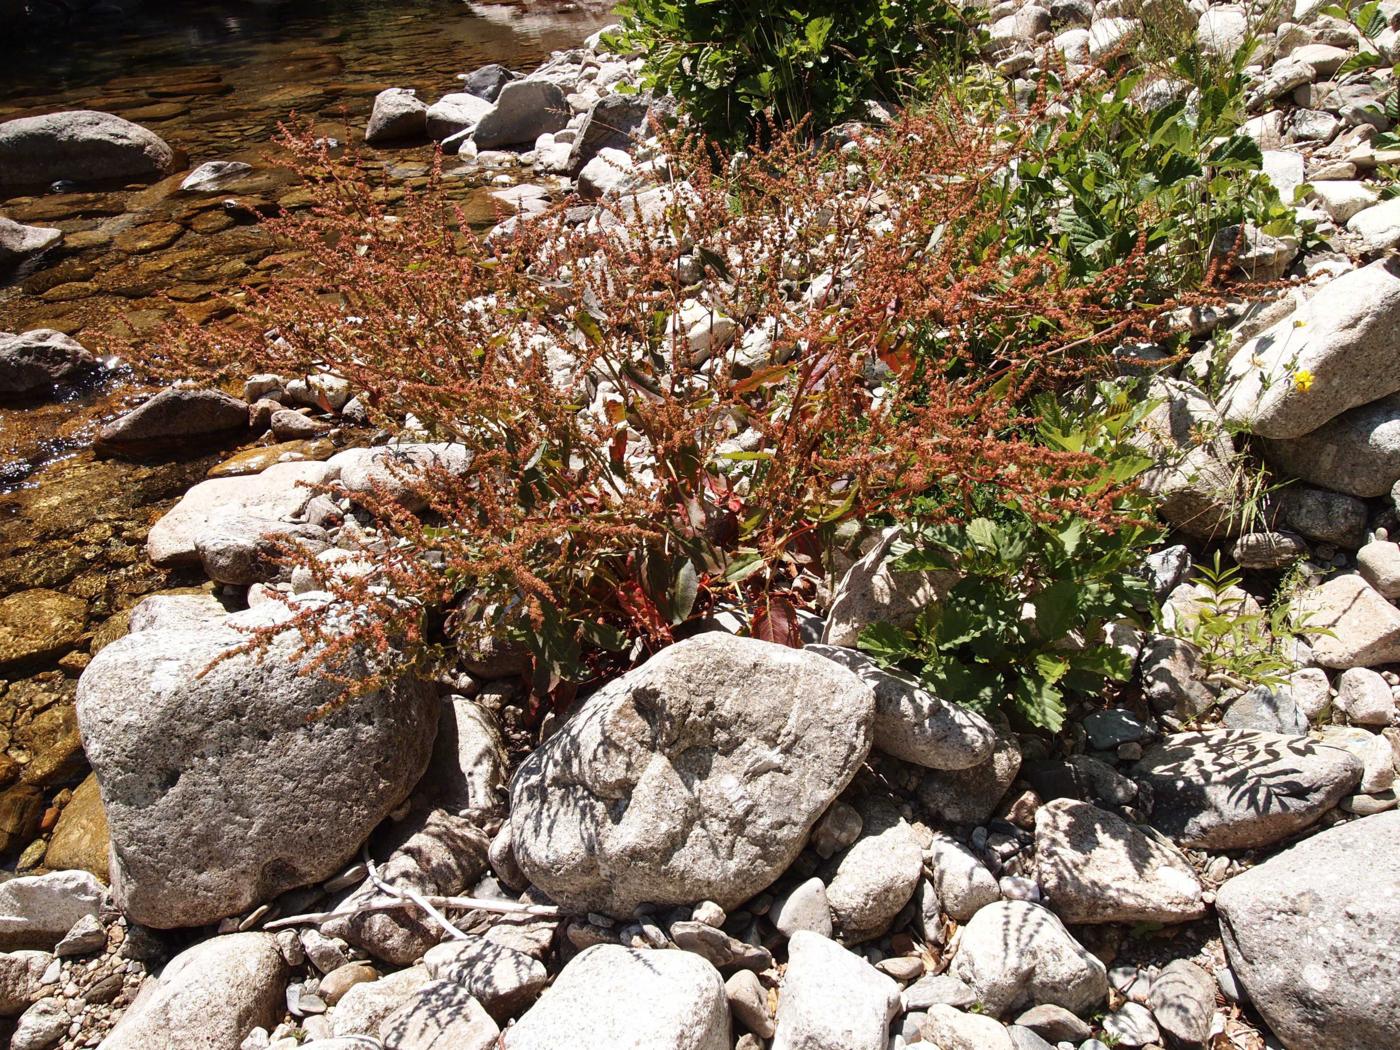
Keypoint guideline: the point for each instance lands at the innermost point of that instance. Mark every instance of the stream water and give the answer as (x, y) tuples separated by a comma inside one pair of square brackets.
[(214, 80)]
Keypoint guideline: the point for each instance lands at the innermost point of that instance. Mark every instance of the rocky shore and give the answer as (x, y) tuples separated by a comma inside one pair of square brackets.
[(736, 845)]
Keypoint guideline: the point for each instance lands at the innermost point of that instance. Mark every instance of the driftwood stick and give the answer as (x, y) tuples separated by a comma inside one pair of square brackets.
[(413, 896), (538, 911)]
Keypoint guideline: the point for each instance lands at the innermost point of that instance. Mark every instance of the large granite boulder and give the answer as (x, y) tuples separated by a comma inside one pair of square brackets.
[(1357, 453), (694, 777), (1241, 789), (1346, 337), (80, 145), (1311, 935), (226, 783), (522, 112), (1349, 624)]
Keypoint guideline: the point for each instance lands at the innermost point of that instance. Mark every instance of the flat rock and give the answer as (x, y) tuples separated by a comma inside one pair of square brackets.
[(1239, 789), (1015, 954), (208, 998), (911, 723), (221, 788), (693, 777), (1347, 336), (950, 1029), (37, 911), (35, 363), (626, 999), (832, 999), (173, 417), (80, 840), (1311, 934), (1348, 624), (1096, 867), (213, 176), (1183, 1002), (80, 145), (441, 1015), (503, 980), (279, 494)]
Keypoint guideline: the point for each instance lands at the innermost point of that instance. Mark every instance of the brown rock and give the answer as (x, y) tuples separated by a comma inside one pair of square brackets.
[(39, 625), (80, 839)]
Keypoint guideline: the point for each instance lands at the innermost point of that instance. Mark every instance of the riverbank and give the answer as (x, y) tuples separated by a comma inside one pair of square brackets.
[(735, 843)]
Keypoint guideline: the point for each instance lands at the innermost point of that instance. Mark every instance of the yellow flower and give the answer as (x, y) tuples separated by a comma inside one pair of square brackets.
[(1303, 380)]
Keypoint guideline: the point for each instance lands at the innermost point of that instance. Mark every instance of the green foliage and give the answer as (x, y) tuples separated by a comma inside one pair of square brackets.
[(1024, 625), (1157, 158), (729, 61), (1238, 647)]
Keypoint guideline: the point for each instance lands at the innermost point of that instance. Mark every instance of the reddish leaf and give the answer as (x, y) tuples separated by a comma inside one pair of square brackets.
[(777, 622)]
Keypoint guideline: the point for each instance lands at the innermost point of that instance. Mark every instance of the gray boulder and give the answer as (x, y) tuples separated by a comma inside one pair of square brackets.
[(1240, 789), (398, 115), (34, 363), (832, 999), (227, 783), (874, 879), (911, 723), (441, 1015), (23, 247), (1096, 867), (455, 113), (208, 998), (970, 796), (1357, 453), (1194, 484), (693, 777), (1183, 1002), (1269, 710), (614, 122), (625, 999), (80, 145), (241, 549), (1325, 516), (172, 418), (1349, 624), (487, 81), (523, 111), (278, 495), (962, 882), (1311, 934), (949, 1028), (1015, 954), (1347, 336), (503, 980), (21, 980)]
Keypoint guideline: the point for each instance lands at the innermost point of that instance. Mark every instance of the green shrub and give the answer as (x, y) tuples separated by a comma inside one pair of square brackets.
[(1155, 161), (1025, 623), (730, 61)]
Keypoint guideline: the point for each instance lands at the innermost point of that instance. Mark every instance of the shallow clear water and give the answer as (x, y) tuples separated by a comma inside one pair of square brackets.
[(214, 80)]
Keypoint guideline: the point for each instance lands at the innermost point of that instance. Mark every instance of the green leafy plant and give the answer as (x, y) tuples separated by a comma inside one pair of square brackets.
[(1156, 161), (1238, 644), (730, 61), (1024, 625)]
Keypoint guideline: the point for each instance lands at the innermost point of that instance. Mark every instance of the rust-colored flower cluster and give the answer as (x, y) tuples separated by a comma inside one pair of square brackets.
[(673, 401)]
